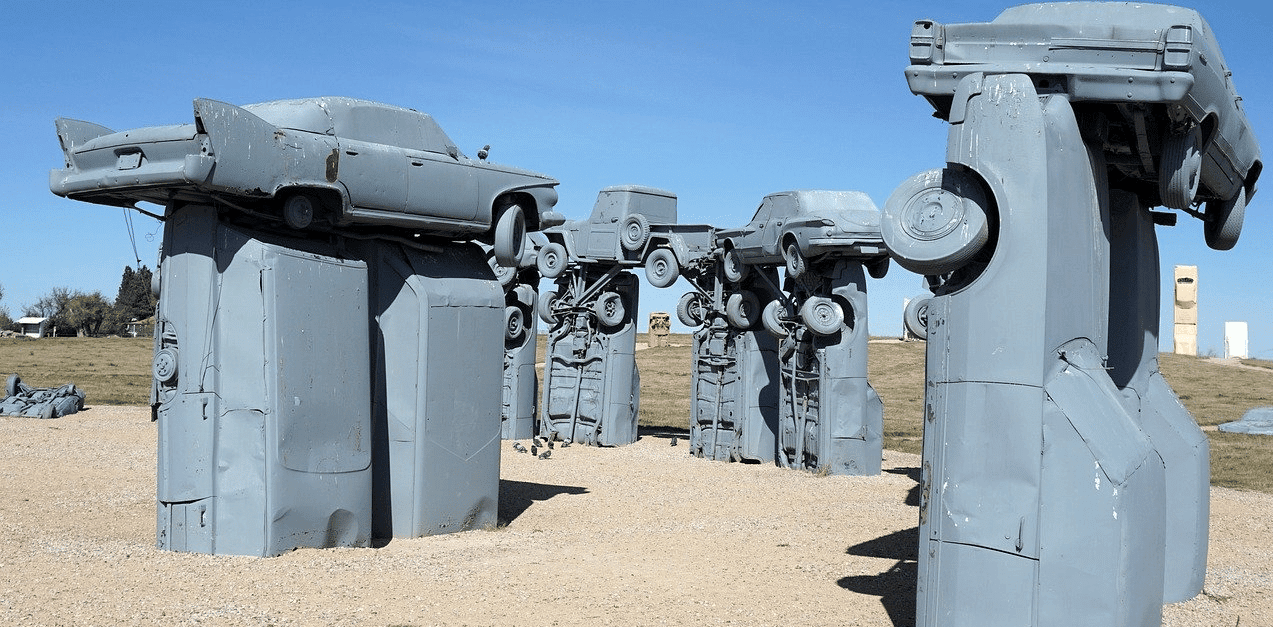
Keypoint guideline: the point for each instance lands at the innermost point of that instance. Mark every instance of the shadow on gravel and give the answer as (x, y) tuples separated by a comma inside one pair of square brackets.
[(516, 497), (663, 432), (895, 586), (912, 497)]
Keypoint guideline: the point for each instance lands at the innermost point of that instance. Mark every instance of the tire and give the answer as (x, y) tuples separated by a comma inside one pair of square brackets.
[(504, 274), (822, 315), (742, 309), (661, 269), (299, 210), (916, 317), (11, 385), (164, 365), (878, 268), (690, 309), (635, 232), (551, 260), (1223, 221), (609, 309), (796, 264), (733, 267), (514, 322), (510, 236), (1180, 168), (936, 221), (546, 301), (771, 317)]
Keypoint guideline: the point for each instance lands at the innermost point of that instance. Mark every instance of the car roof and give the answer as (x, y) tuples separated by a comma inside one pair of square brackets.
[(356, 119), (820, 200)]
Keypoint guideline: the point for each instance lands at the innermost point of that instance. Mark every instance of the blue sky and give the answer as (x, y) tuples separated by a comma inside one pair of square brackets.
[(718, 102)]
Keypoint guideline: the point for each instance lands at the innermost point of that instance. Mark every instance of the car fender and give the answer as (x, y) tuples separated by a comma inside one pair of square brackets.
[(256, 158), (668, 240), (800, 235)]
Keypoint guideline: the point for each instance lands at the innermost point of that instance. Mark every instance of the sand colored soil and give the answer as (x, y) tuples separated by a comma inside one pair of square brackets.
[(639, 535)]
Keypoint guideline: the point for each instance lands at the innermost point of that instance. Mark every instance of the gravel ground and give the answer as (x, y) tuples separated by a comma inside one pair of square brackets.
[(639, 535)]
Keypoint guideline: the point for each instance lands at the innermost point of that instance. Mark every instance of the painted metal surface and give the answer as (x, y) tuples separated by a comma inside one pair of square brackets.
[(520, 388), (733, 393), (592, 390), (1063, 482), (435, 414), (318, 164), (830, 419), (21, 399), (816, 222), (265, 440), (327, 360), (630, 226), (734, 377), (1256, 421), (1132, 363)]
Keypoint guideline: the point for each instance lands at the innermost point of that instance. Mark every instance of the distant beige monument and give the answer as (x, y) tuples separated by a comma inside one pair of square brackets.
[(660, 326), (1186, 331)]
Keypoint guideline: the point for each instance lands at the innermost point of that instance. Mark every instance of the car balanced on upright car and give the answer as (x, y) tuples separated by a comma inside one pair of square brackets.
[(334, 164)]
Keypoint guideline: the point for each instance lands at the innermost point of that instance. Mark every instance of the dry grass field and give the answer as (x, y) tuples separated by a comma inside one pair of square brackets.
[(116, 371)]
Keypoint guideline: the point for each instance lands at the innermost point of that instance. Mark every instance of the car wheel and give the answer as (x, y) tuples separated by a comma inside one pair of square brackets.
[(636, 229), (11, 385), (733, 267), (878, 268), (771, 317), (514, 322), (298, 211), (796, 264), (551, 260), (504, 274), (661, 269), (936, 221), (1223, 221), (822, 315), (546, 302), (510, 236), (742, 309), (1180, 168), (164, 365), (609, 309), (691, 309), (916, 317)]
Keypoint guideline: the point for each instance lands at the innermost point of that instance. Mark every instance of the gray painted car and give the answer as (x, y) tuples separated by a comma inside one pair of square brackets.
[(799, 227), (630, 226), (1153, 83), (323, 163)]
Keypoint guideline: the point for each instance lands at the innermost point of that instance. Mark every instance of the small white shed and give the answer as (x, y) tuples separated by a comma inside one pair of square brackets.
[(32, 326)]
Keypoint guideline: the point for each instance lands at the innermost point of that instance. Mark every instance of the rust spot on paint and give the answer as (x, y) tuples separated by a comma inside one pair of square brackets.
[(333, 166)]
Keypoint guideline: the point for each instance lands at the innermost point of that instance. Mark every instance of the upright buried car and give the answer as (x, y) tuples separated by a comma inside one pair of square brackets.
[(1151, 86), (326, 163)]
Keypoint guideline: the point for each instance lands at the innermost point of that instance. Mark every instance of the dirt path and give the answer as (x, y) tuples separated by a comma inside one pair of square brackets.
[(639, 535)]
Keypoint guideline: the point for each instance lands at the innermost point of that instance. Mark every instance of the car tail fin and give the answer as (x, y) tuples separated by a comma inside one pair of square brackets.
[(72, 133)]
